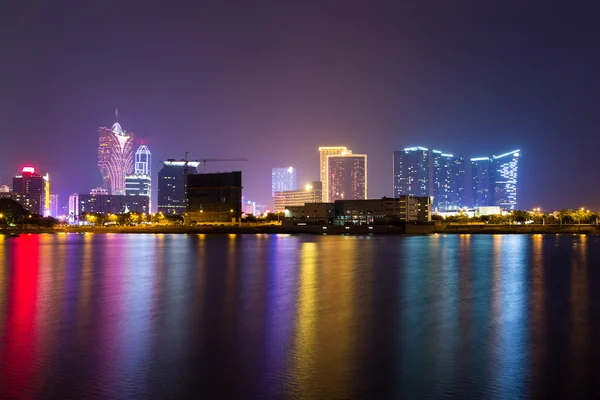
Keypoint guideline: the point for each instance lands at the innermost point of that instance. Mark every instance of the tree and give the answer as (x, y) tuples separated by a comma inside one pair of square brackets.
[(521, 216)]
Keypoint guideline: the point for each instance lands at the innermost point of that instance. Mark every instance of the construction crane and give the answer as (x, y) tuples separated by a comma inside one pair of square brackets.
[(205, 160)]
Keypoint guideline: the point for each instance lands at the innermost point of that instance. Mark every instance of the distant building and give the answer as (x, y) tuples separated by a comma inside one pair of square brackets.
[(481, 175), (54, 205), (495, 180), (347, 178), (283, 179), (4, 189), (139, 185), (106, 204), (412, 172), (407, 208), (324, 166), (171, 185), (214, 197), (311, 193), (115, 156), (448, 181), (260, 209), (29, 182), (248, 207), (506, 168), (32, 202)]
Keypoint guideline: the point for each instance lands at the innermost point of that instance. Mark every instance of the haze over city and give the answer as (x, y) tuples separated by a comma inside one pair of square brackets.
[(271, 81)]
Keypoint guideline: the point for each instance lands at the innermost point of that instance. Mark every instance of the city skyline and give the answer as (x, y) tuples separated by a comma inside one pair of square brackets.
[(417, 74)]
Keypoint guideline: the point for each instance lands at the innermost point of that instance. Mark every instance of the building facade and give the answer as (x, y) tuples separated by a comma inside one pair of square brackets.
[(412, 172), (481, 175), (115, 157), (283, 179), (214, 197), (105, 204), (29, 182), (448, 181), (347, 177), (495, 181), (172, 179), (32, 202), (506, 172), (311, 193), (324, 152)]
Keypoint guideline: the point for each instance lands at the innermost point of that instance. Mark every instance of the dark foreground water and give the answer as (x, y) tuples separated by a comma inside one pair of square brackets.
[(277, 316)]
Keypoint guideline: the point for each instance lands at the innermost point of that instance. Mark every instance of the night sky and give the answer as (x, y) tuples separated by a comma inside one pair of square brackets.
[(273, 80)]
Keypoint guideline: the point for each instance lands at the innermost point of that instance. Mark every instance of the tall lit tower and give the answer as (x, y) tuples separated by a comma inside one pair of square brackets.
[(323, 165), (115, 156), (143, 158), (412, 172), (140, 182), (283, 179), (347, 178), (505, 176)]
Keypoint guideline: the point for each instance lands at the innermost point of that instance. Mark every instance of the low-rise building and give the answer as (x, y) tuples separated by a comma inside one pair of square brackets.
[(106, 204), (311, 193), (382, 211)]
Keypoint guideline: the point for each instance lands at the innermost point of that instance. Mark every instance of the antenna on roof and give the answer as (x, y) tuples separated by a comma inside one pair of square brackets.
[(117, 114)]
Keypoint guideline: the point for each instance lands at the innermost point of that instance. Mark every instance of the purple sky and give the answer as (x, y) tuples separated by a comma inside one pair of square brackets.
[(273, 80)]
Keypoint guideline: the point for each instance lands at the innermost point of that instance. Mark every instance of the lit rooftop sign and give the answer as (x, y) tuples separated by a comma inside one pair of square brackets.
[(29, 170)]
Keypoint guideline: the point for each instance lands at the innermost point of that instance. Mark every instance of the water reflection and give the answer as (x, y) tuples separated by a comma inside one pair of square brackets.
[(282, 316)]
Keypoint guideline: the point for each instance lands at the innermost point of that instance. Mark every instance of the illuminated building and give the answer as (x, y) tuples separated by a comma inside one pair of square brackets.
[(448, 181), (143, 161), (54, 205), (4, 189), (105, 204), (29, 182), (283, 179), (506, 168), (311, 193), (115, 157), (412, 172), (495, 180), (481, 175), (384, 211), (138, 185), (347, 177), (171, 185), (248, 207), (214, 197), (32, 202), (323, 165)]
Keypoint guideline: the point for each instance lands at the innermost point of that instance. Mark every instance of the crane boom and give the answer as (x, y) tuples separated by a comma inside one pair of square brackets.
[(205, 160)]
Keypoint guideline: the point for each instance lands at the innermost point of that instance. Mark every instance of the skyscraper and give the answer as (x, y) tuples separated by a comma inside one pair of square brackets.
[(495, 180), (412, 172), (29, 182), (115, 156), (347, 176), (140, 182), (283, 179), (506, 168), (324, 173), (172, 184), (481, 173), (448, 181)]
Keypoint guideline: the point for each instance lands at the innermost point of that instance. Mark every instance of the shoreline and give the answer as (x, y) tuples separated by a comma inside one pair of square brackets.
[(408, 229)]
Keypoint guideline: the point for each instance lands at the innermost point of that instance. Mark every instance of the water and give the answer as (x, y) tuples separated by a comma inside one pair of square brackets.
[(278, 316)]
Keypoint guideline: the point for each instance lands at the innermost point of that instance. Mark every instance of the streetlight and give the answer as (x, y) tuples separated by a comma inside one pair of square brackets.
[(1, 215)]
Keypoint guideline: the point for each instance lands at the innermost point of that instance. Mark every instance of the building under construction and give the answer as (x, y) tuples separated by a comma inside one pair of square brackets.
[(214, 197)]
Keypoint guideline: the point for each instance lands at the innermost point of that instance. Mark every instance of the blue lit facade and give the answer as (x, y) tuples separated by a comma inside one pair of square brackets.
[(283, 179), (481, 174), (448, 181), (412, 172), (505, 174)]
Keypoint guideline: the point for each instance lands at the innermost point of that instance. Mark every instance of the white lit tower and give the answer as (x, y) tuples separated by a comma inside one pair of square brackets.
[(140, 182)]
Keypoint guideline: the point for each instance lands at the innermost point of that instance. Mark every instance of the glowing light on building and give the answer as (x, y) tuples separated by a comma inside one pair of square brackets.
[(347, 178), (115, 156), (324, 166), (29, 170), (283, 179)]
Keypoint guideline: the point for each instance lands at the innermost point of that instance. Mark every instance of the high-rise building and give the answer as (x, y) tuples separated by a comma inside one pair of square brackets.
[(283, 179), (4, 189), (140, 182), (214, 197), (143, 160), (54, 205), (115, 156), (412, 172), (495, 180), (311, 193), (448, 181), (481, 175), (323, 166), (347, 177), (29, 182), (172, 179), (506, 168)]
